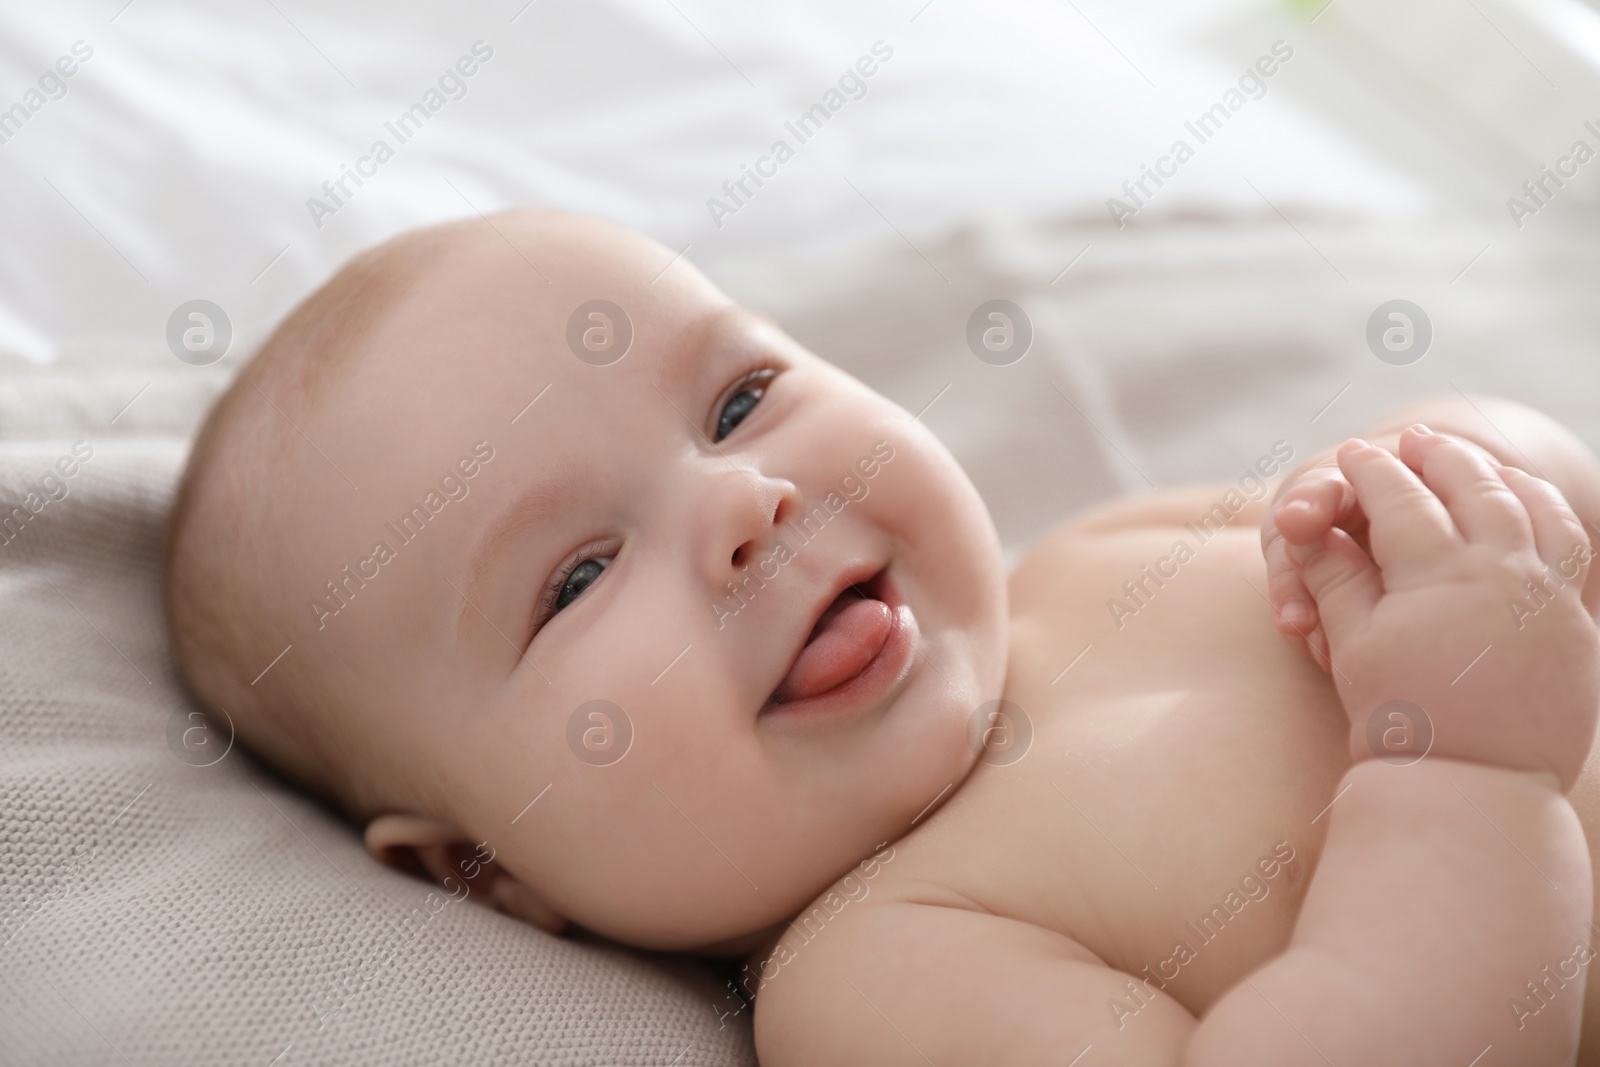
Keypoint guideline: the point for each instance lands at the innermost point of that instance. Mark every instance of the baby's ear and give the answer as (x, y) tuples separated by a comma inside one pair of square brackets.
[(408, 842), (438, 852)]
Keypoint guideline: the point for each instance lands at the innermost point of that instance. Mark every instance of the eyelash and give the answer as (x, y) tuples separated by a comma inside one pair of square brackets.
[(754, 369), (552, 592)]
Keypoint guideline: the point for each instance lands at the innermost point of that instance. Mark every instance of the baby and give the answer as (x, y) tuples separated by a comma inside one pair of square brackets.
[(576, 583)]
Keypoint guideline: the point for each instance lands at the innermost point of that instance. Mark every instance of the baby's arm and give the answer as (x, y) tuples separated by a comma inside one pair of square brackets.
[(1421, 928), (1447, 884), (924, 983)]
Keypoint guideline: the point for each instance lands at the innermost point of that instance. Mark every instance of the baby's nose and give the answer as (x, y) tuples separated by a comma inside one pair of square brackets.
[(742, 513)]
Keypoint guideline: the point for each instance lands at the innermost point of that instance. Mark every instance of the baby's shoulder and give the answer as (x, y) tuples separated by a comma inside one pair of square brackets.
[(903, 981), (1124, 531), (1165, 508)]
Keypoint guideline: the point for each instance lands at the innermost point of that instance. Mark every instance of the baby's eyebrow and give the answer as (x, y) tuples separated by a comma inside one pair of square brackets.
[(530, 510)]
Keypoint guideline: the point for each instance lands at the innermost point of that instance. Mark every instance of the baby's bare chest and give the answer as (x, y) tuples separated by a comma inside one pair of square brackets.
[(1154, 788)]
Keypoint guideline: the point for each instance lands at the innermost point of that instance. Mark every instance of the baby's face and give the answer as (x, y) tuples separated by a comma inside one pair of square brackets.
[(614, 617)]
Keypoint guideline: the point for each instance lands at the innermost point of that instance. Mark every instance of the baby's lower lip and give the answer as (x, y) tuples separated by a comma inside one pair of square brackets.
[(867, 686)]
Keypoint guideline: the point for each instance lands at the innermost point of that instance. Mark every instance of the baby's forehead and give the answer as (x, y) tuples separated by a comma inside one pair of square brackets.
[(584, 293), (481, 349), (486, 346), (488, 332)]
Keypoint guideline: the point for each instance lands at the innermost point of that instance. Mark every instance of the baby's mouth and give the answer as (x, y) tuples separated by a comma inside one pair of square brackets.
[(845, 641)]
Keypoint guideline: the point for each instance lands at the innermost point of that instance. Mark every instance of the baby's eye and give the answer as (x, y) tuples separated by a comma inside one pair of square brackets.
[(578, 579), (746, 395)]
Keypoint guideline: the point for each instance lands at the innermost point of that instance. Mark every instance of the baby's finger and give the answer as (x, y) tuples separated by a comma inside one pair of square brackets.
[(1345, 582), (1293, 609), (1480, 504), (1561, 540), (1408, 527), (1319, 498)]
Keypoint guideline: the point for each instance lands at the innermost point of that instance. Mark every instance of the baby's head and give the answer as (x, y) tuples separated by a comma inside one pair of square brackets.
[(491, 474)]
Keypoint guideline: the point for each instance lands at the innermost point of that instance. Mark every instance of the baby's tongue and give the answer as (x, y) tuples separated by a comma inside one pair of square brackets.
[(851, 632)]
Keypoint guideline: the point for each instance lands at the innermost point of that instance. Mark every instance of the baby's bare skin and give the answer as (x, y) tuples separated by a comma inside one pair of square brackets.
[(1177, 758)]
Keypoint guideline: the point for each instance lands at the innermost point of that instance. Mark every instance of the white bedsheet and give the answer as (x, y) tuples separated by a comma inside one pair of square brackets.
[(181, 159)]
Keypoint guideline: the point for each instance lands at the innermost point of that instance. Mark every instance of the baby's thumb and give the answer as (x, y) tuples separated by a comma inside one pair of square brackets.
[(1343, 579)]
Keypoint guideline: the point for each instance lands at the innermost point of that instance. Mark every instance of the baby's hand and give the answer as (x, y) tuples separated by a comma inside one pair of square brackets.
[(1314, 499), (1432, 615)]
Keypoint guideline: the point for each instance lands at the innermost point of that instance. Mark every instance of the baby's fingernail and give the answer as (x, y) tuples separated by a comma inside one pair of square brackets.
[(1297, 614), (1354, 444), (1302, 507), (1420, 428)]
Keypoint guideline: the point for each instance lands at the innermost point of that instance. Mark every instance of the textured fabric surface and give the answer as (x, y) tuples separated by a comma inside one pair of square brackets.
[(198, 135), (158, 911)]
